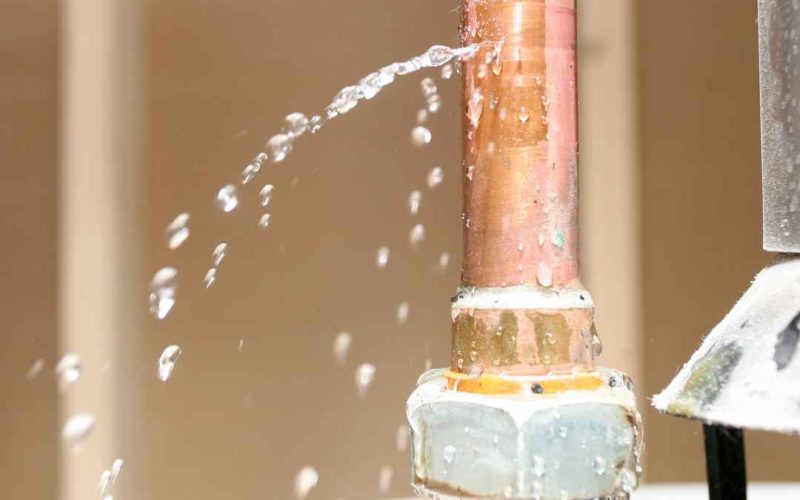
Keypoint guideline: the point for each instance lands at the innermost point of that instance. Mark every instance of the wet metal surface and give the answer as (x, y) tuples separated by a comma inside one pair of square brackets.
[(779, 61), (745, 373)]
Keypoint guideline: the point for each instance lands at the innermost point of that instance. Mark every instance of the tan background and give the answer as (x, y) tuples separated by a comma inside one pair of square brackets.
[(669, 138)]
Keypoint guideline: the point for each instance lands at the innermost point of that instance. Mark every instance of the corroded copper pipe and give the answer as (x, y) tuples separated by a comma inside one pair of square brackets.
[(522, 309), (520, 144)]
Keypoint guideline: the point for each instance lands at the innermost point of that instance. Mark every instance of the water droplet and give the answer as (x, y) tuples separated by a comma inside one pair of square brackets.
[(549, 338), (414, 200), (116, 468), (435, 177), (523, 115), (428, 87), (447, 71), (162, 292), (402, 312), (210, 277), (263, 222), (105, 481), (68, 370), (434, 103), (248, 173), (35, 369), (266, 194), (599, 465), (78, 428), (382, 258), (166, 363), (364, 375), (444, 260), (449, 453), (538, 466), (475, 108), (627, 481), (315, 123), (385, 479), (482, 71), (178, 231), (562, 431), (544, 275), (597, 345), (241, 345), (402, 438), (227, 200), (422, 116), (219, 253), (497, 65), (279, 146), (341, 346), (305, 480), (420, 136), (296, 124), (416, 235)]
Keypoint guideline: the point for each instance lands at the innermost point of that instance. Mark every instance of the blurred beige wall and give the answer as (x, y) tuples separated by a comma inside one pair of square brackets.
[(29, 255), (671, 211)]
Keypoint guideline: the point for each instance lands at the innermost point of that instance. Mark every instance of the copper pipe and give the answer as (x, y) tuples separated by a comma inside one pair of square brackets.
[(520, 144), (520, 192)]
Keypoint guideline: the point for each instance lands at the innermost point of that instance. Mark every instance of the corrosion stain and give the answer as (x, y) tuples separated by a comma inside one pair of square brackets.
[(553, 335), (709, 376)]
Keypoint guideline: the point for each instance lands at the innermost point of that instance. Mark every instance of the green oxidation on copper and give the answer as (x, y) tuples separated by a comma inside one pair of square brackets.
[(553, 335), (708, 378), (495, 345), (558, 239)]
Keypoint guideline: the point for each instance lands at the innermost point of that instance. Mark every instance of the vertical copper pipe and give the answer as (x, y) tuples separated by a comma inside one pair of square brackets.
[(520, 144), (520, 188)]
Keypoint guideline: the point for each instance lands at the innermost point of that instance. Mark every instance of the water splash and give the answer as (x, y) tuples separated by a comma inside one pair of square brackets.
[(403, 310), (166, 363), (305, 480), (382, 257), (266, 194), (414, 201), (416, 235), (444, 260), (447, 71), (420, 136), (401, 440), (35, 369), (227, 199), (210, 278), (365, 373), (178, 231), (385, 479), (78, 428), (295, 124), (341, 347), (68, 370), (162, 292), (435, 177), (263, 221), (219, 253), (279, 146)]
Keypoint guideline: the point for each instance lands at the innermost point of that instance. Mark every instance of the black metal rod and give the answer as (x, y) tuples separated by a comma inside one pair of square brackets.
[(725, 466)]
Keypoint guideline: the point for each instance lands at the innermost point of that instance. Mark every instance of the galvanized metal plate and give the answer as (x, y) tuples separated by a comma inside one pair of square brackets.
[(779, 62), (747, 371)]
